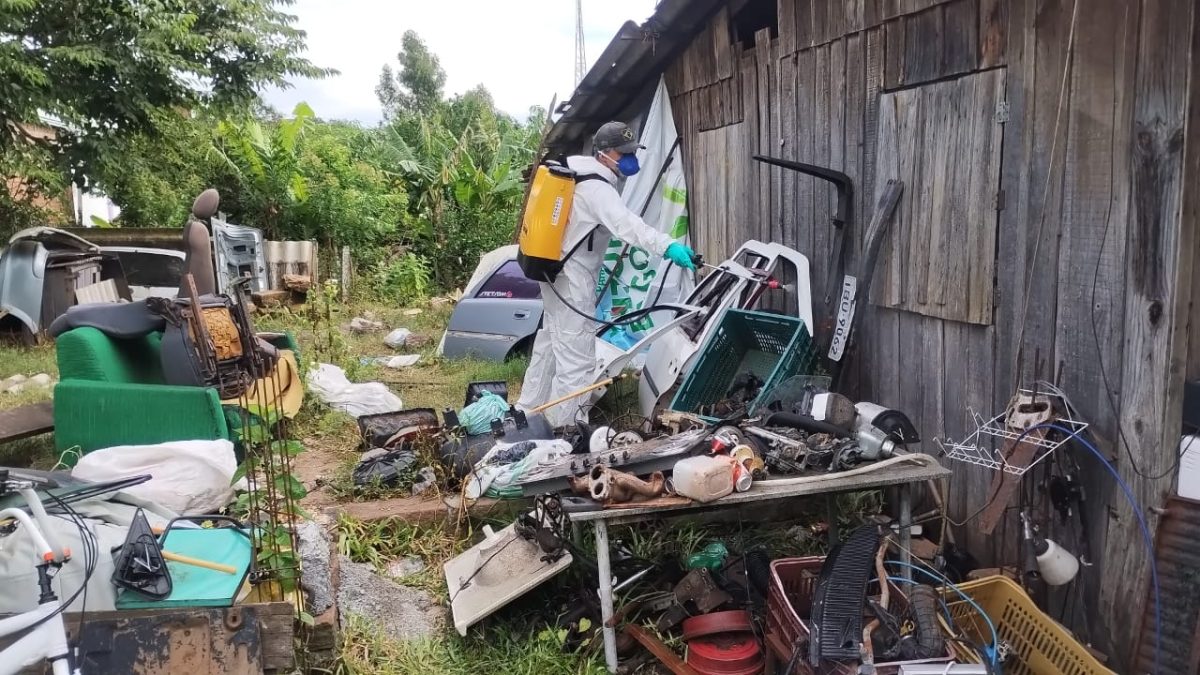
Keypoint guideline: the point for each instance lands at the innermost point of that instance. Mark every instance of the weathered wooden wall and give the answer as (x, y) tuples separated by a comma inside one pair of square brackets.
[(1094, 216)]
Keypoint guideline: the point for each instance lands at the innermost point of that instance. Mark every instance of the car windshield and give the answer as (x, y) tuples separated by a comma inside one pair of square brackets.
[(151, 269), (509, 282)]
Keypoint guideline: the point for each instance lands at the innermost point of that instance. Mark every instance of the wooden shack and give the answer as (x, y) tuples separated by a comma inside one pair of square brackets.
[(1047, 228)]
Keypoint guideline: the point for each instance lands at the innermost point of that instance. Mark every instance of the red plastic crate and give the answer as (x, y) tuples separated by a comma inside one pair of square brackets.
[(793, 581)]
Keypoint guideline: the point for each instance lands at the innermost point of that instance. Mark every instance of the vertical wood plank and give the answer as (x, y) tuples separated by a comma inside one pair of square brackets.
[(931, 254), (885, 341), (788, 149), (836, 26), (872, 327), (726, 54), (960, 50), (1155, 299), (775, 142), (852, 165), (749, 180), (855, 16), (806, 91), (984, 195), (786, 15), (1011, 256), (1038, 290), (923, 38), (822, 239), (893, 70), (993, 32), (837, 160), (820, 20), (1090, 329), (804, 24), (762, 144)]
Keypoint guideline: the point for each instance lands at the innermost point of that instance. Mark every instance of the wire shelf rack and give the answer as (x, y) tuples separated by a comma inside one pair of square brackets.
[(984, 446)]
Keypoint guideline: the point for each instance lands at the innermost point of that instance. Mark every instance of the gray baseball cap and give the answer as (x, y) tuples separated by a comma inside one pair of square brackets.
[(615, 136)]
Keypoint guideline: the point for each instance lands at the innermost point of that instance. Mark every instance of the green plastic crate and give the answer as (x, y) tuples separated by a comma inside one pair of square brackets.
[(772, 346)]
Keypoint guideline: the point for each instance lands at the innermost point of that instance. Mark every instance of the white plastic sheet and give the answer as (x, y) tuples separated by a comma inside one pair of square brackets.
[(187, 477), (331, 385)]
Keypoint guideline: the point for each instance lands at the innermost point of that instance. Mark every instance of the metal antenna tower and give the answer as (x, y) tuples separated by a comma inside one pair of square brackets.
[(580, 54)]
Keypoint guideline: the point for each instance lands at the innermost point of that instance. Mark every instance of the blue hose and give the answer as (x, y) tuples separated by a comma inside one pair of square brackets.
[(991, 652), (1137, 511)]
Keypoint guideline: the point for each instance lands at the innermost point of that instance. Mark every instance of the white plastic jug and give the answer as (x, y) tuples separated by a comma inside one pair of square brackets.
[(703, 478)]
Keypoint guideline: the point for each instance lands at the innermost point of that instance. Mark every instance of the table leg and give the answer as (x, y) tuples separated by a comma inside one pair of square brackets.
[(905, 528), (831, 514), (604, 568)]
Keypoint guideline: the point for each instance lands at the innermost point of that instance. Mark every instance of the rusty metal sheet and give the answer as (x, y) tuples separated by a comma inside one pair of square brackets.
[(241, 640), (1177, 553)]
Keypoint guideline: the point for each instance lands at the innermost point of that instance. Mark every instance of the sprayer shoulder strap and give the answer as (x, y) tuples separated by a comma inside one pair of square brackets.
[(579, 178)]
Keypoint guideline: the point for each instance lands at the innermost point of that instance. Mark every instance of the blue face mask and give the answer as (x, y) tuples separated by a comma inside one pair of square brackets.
[(628, 165)]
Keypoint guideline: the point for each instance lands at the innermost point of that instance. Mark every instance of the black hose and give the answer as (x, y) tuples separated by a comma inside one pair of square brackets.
[(806, 423)]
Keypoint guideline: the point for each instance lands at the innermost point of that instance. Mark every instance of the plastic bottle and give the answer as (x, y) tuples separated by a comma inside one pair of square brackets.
[(703, 478)]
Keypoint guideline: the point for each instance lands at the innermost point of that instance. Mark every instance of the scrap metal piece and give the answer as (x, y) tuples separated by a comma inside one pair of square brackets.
[(611, 486), (841, 591), (660, 651), (659, 454), (494, 572), (699, 587)]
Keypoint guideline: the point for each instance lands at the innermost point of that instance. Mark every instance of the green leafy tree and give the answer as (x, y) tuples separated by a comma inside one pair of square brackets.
[(417, 85), (300, 178), (111, 73), (107, 68), (155, 179)]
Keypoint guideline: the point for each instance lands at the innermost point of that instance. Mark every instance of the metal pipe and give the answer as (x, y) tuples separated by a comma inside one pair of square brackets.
[(604, 570)]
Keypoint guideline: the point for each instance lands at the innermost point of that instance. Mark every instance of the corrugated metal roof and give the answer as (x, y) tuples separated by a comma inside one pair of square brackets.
[(1178, 557), (634, 60)]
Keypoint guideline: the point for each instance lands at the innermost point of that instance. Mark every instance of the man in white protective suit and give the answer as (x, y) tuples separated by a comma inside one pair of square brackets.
[(564, 352)]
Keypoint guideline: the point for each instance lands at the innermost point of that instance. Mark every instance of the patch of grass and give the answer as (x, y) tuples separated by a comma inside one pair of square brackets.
[(17, 360), (377, 543), (34, 453), (497, 650)]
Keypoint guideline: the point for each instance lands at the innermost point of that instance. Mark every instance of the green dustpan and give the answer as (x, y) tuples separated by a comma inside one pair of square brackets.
[(199, 586)]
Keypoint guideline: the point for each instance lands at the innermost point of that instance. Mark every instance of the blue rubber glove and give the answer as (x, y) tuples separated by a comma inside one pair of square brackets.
[(681, 255)]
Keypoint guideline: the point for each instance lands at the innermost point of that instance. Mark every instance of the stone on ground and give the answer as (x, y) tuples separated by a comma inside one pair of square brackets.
[(402, 613)]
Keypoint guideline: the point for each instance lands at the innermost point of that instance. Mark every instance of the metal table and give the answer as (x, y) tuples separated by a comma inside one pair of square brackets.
[(902, 476)]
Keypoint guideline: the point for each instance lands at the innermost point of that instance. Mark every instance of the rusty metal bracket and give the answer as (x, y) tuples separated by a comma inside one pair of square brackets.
[(660, 651)]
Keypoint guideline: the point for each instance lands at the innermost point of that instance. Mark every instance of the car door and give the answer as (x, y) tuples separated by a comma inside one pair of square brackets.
[(506, 303)]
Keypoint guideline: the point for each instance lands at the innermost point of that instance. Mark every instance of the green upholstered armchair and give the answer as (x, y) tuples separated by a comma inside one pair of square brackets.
[(111, 392)]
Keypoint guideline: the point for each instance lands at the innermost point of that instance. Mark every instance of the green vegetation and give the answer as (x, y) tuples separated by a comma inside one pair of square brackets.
[(500, 649), (116, 70)]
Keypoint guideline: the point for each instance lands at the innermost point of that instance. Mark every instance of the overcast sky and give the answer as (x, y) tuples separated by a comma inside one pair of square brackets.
[(522, 50)]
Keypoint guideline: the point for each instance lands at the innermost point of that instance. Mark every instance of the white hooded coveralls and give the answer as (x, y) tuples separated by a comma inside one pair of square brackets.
[(564, 351)]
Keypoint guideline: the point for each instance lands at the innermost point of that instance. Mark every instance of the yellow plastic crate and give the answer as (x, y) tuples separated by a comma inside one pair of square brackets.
[(1038, 644)]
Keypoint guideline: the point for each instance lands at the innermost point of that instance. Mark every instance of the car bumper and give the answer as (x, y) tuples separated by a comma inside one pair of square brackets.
[(485, 346)]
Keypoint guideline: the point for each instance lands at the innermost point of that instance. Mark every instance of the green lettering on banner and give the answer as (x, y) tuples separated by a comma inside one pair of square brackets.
[(674, 194), (636, 254)]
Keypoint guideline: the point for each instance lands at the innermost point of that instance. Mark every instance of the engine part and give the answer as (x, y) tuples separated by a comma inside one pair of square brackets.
[(834, 409), (658, 454), (804, 422), (617, 487), (839, 596), (894, 424)]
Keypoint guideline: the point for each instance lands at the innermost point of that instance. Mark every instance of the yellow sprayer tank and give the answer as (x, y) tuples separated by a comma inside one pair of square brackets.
[(544, 222)]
